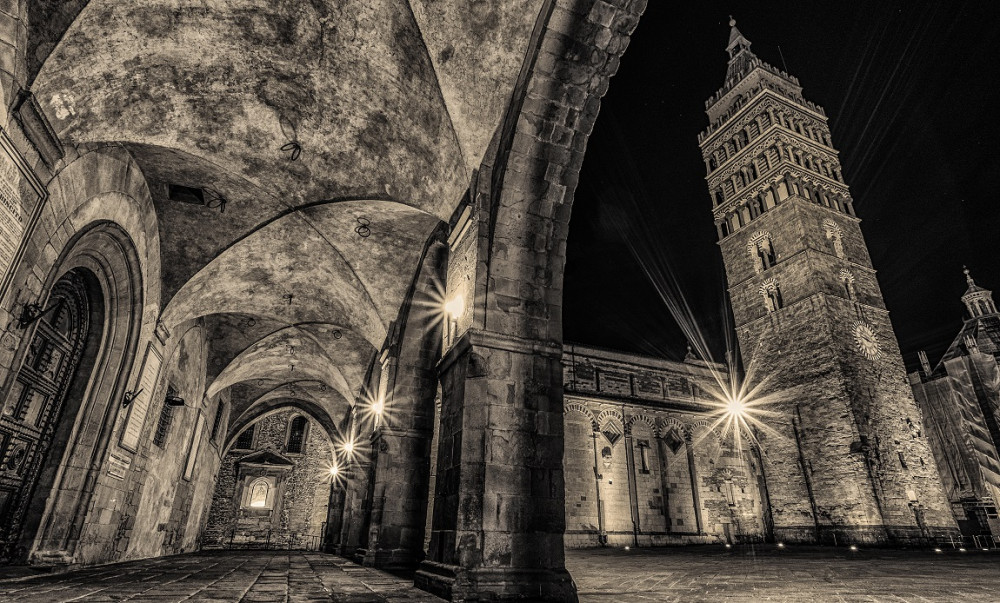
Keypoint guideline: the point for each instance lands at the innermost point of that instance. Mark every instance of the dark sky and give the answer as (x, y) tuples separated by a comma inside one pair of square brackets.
[(912, 91)]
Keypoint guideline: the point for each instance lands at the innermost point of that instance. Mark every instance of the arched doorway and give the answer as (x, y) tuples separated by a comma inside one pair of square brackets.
[(32, 429)]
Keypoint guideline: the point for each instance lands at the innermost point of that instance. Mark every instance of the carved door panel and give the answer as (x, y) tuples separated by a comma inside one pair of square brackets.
[(34, 403)]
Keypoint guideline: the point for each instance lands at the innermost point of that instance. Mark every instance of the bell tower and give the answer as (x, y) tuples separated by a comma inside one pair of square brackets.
[(846, 459)]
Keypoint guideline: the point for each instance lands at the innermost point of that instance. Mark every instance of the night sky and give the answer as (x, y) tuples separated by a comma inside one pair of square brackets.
[(912, 92)]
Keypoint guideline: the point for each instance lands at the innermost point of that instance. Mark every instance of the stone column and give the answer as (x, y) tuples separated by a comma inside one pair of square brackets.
[(499, 512), (334, 518), (403, 443), (399, 506), (356, 508)]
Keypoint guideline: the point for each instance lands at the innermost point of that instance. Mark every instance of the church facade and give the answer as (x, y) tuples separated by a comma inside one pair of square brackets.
[(960, 400)]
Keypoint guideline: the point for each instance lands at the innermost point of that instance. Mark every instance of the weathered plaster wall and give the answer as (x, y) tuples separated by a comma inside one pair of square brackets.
[(171, 509)]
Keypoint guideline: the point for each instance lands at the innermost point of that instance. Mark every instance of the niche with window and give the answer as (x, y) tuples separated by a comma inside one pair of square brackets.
[(297, 430), (847, 281), (644, 456), (259, 493), (166, 418)]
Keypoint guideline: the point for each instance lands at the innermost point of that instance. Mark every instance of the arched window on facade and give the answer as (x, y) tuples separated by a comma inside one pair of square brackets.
[(771, 295), (847, 280), (712, 163), (296, 435), (719, 197), (761, 250), (835, 236)]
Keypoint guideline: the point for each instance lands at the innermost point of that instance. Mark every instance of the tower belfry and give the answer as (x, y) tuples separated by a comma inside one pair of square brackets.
[(844, 460)]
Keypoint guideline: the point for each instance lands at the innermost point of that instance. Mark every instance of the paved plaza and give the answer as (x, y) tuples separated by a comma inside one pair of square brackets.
[(710, 573), (792, 574)]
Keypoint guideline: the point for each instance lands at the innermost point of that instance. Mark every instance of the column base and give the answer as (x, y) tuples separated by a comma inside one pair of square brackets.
[(391, 560), (495, 583)]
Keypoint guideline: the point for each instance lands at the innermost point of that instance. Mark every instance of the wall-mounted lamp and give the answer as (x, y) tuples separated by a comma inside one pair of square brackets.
[(32, 312), (175, 401), (455, 306), (130, 397)]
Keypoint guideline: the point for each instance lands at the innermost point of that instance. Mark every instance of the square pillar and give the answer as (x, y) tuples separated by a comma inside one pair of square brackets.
[(499, 513)]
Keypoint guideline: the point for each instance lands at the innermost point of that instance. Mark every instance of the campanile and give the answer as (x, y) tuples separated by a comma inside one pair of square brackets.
[(845, 454)]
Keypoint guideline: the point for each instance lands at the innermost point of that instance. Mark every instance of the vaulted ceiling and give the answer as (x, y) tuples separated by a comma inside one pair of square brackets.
[(339, 134)]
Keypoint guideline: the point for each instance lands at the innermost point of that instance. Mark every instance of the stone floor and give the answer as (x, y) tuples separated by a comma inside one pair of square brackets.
[(792, 575), (250, 576), (709, 573)]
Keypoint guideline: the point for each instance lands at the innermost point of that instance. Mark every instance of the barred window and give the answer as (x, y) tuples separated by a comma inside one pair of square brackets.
[(166, 418), (217, 423), (296, 435), (245, 441)]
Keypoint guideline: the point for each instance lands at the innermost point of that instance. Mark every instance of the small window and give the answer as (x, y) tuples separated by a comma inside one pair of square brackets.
[(166, 418), (296, 435), (245, 441), (765, 254)]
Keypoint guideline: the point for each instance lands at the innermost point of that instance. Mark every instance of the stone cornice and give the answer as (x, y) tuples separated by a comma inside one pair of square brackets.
[(764, 99), (774, 134), (478, 338), (773, 177)]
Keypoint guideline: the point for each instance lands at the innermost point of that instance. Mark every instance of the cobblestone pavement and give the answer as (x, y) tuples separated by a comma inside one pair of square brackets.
[(252, 576), (793, 574)]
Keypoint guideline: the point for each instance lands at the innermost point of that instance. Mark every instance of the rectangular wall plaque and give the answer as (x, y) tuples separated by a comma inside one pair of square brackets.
[(21, 199), (139, 408), (118, 466), (195, 445)]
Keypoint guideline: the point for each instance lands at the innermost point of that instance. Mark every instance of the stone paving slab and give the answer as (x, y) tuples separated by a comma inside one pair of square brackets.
[(217, 577), (789, 575), (689, 574)]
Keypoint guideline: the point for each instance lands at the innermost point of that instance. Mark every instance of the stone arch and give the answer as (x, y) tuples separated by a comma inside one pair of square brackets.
[(835, 235), (643, 418), (255, 413), (580, 408), (520, 205), (108, 260), (760, 248), (610, 425)]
